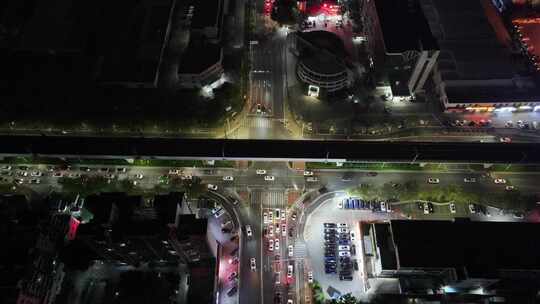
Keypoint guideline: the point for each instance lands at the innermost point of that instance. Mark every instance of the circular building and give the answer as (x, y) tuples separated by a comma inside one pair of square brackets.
[(321, 60)]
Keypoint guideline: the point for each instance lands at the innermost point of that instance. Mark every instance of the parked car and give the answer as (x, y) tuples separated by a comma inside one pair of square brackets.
[(212, 187), (452, 208)]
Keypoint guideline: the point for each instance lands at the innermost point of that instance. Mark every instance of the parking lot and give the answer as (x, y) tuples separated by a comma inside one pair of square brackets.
[(314, 234)]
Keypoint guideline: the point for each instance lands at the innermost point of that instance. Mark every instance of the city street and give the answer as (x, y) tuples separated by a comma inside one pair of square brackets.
[(267, 193)]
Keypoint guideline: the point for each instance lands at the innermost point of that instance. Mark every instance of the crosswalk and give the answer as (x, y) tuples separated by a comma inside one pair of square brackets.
[(300, 249), (268, 198), (258, 122)]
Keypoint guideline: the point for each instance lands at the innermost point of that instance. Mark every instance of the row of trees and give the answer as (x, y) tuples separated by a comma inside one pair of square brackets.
[(410, 190)]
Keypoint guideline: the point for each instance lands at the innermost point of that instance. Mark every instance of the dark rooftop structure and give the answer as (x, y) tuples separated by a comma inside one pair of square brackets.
[(206, 13), (477, 249), (404, 26), (198, 57), (322, 52), (166, 206)]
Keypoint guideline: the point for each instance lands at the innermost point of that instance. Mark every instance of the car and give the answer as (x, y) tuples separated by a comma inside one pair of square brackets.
[(452, 208), (22, 173), (232, 276), (290, 301), (19, 181), (58, 174), (344, 254), (343, 230), (276, 244), (248, 231), (469, 180), (293, 216), (509, 188), (345, 278), (291, 250), (23, 168), (372, 174), (212, 187), (174, 171), (265, 217), (432, 180), (77, 175), (310, 276), (219, 213), (430, 207), (277, 275), (85, 169), (290, 232), (228, 178), (260, 172), (253, 264), (290, 271), (269, 178), (344, 242), (308, 173), (139, 176), (270, 231), (6, 167), (186, 177), (270, 216), (340, 204), (499, 181), (36, 174), (259, 108), (330, 225), (383, 206), (472, 208), (330, 231), (352, 236), (121, 170), (283, 230), (344, 248), (426, 208), (35, 181), (232, 291), (312, 179), (271, 245), (342, 225), (277, 298), (284, 214)]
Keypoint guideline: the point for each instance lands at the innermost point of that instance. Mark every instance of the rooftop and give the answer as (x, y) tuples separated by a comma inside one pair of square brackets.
[(198, 57), (325, 57), (404, 26), (481, 248), (206, 13)]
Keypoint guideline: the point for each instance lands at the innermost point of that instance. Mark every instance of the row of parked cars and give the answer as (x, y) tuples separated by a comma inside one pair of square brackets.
[(360, 204), (338, 249)]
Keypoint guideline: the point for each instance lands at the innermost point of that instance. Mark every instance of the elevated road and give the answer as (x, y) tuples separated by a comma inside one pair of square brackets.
[(269, 150)]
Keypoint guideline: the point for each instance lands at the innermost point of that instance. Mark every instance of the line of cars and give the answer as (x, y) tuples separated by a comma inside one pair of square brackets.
[(338, 246), (275, 226), (361, 204)]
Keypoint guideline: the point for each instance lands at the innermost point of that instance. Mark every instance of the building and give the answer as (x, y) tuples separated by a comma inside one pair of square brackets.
[(455, 257), (206, 18), (321, 60), (400, 43), (476, 70), (200, 65)]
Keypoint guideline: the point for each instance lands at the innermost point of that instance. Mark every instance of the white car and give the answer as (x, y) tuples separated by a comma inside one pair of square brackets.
[(340, 204), (260, 172), (308, 173), (58, 174), (212, 187), (290, 271), (139, 176), (343, 230), (291, 251), (36, 174), (290, 301), (342, 225), (186, 177), (265, 217), (253, 264), (432, 180), (276, 244), (344, 248), (174, 171), (271, 245), (472, 208), (228, 178), (248, 231), (426, 208), (283, 230), (383, 206), (270, 216), (312, 179), (509, 188), (469, 180), (310, 276), (344, 254), (499, 181), (284, 214), (452, 208), (269, 178)]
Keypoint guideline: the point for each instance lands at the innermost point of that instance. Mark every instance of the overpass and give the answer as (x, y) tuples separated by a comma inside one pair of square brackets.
[(268, 150)]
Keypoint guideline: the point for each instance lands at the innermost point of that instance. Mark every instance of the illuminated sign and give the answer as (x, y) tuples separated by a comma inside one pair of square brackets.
[(313, 91)]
